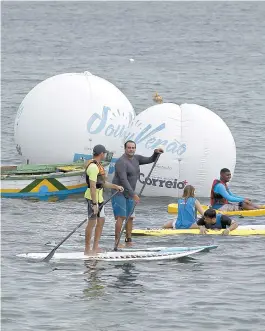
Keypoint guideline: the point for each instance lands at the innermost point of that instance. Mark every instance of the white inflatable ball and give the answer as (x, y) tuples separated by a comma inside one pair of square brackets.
[(64, 117), (197, 144)]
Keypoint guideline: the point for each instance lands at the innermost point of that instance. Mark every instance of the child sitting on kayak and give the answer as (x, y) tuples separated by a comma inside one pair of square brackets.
[(186, 211), (211, 220)]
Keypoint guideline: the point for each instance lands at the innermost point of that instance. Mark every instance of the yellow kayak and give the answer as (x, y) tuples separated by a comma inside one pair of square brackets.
[(173, 209), (240, 231)]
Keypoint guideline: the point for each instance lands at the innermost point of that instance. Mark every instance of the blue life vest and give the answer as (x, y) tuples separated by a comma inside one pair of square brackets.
[(217, 225), (186, 212)]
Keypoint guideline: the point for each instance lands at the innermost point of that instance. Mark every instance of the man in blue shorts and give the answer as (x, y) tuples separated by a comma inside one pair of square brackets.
[(127, 171)]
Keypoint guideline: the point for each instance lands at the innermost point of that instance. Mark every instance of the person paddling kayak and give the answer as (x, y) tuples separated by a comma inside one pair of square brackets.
[(187, 206), (95, 178), (223, 199), (211, 220)]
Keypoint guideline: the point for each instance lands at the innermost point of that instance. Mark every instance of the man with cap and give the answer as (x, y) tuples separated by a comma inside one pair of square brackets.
[(95, 178)]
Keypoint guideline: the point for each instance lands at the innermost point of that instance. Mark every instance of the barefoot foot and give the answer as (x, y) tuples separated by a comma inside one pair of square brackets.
[(97, 250)]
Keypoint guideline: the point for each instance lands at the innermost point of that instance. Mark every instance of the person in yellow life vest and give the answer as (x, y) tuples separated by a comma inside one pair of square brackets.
[(95, 178)]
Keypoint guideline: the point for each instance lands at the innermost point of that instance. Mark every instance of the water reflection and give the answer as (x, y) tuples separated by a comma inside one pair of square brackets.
[(127, 278), (93, 279), (118, 276)]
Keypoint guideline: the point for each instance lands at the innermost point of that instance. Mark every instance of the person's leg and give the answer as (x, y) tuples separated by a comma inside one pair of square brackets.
[(119, 210), (129, 226), (169, 225), (248, 206), (194, 226), (229, 207), (118, 227), (88, 234), (98, 232), (89, 228), (179, 224), (238, 206), (98, 229)]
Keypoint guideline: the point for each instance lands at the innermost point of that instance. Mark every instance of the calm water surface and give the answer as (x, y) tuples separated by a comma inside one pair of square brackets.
[(209, 53)]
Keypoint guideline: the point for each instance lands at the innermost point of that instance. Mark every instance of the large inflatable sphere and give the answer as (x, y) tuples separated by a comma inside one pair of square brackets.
[(63, 117), (197, 145)]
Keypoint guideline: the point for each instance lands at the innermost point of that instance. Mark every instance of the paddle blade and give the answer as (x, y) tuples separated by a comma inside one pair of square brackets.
[(49, 256)]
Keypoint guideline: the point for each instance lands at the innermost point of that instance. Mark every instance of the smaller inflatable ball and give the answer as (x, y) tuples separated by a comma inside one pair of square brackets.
[(197, 145)]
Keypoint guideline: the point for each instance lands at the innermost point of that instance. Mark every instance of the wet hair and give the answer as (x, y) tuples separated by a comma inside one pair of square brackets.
[(210, 213), (189, 192), (224, 170), (129, 141)]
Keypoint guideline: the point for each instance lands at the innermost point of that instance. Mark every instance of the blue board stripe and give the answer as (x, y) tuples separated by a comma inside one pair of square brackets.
[(46, 194)]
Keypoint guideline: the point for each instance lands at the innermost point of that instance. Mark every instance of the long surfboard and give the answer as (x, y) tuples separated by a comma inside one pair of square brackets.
[(156, 249), (114, 256), (171, 249), (172, 208), (249, 230)]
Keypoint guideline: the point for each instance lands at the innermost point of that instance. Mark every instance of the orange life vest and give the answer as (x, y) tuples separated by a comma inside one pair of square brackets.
[(101, 174)]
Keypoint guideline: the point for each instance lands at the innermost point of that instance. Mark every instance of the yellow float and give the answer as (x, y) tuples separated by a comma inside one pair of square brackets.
[(255, 230), (173, 209)]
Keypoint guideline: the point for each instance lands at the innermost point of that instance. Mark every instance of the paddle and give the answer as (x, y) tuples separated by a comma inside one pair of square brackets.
[(126, 221), (50, 255)]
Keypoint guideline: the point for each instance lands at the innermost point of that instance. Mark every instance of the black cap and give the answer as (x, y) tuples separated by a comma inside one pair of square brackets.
[(98, 149)]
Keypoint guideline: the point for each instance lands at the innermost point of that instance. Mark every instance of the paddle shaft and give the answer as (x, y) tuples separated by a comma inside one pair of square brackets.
[(50, 255), (127, 219)]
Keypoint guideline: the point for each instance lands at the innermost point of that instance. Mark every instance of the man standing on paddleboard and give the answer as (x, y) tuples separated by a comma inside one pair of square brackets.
[(223, 199), (127, 171), (95, 178)]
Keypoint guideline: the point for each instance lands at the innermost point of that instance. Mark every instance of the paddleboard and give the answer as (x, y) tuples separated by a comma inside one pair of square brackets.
[(113, 256), (249, 230), (172, 208), (171, 249)]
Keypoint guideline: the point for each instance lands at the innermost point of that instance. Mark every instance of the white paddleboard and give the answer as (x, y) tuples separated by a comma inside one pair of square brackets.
[(170, 249), (113, 256), (252, 227)]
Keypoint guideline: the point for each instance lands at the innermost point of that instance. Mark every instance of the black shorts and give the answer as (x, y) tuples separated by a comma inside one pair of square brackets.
[(240, 205), (101, 213)]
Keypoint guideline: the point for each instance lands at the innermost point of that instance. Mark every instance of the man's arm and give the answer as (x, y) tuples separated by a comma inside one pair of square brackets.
[(146, 160), (233, 226), (233, 195), (201, 222), (225, 221), (93, 191), (113, 186), (120, 170), (220, 189), (228, 224)]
